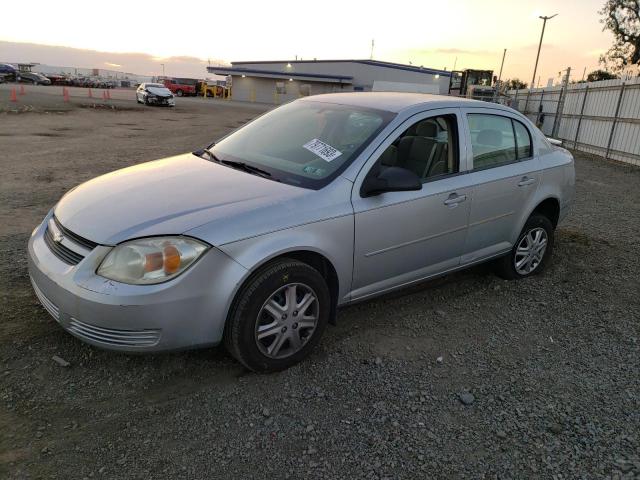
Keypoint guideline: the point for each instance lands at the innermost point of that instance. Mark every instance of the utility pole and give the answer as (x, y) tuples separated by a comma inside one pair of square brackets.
[(372, 44), (454, 63), (498, 85), (535, 69), (162, 69)]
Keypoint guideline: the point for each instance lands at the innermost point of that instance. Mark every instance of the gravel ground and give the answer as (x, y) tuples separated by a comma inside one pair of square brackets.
[(469, 376)]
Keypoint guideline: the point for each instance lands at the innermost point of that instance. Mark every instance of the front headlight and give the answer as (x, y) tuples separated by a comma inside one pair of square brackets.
[(150, 260)]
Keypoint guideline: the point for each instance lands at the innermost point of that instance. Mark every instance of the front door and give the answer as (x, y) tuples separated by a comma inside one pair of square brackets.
[(402, 237)]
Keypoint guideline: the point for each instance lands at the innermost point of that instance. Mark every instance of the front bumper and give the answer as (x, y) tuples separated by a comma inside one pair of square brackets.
[(188, 311), (169, 101)]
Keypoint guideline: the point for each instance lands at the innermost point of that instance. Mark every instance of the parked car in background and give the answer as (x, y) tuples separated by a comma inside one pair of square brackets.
[(154, 94), (255, 240), (58, 79), (9, 72), (181, 86), (82, 82), (34, 78)]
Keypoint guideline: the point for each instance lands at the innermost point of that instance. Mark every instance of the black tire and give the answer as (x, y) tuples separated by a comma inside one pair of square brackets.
[(505, 267), (239, 335), (179, 93), (146, 100)]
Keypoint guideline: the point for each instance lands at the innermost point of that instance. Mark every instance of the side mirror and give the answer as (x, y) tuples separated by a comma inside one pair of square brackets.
[(391, 179)]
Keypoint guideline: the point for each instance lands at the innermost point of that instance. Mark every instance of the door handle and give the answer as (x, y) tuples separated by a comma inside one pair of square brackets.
[(524, 181), (455, 199)]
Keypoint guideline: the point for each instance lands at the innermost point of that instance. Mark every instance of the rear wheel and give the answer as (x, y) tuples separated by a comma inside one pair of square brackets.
[(531, 252), (179, 93), (279, 316)]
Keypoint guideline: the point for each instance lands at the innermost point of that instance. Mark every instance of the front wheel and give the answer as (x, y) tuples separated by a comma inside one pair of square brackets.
[(179, 93), (531, 252), (278, 317)]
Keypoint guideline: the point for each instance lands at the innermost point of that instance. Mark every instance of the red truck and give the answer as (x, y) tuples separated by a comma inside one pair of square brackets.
[(181, 86)]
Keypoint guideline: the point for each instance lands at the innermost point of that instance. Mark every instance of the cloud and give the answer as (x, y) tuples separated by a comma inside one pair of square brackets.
[(462, 51), (138, 63), (534, 46), (451, 51)]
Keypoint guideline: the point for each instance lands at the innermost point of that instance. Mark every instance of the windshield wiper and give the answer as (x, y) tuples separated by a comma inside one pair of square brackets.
[(212, 155), (245, 167)]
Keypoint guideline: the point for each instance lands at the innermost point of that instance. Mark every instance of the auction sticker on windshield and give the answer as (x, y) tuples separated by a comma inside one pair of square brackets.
[(323, 150)]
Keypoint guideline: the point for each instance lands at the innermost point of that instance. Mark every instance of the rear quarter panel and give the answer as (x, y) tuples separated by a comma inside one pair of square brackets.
[(557, 182)]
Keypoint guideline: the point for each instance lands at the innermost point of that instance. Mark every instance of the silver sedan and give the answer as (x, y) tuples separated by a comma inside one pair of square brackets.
[(256, 240)]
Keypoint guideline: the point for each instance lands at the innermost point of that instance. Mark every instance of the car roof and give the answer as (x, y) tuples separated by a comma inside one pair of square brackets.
[(398, 101)]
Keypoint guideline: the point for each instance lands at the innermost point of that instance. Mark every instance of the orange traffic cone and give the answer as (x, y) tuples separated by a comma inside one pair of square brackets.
[(90, 94), (65, 94), (14, 97), (22, 92)]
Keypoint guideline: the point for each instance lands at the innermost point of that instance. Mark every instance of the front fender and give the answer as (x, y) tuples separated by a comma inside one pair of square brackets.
[(331, 238)]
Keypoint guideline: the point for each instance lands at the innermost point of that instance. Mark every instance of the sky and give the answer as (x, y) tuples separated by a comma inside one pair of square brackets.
[(436, 34)]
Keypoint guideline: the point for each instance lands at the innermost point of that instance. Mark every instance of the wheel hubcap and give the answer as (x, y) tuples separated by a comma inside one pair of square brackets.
[(530, 251), (287, 320)]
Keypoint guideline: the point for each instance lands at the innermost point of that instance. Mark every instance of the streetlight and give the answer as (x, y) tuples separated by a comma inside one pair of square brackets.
[(535, 69)]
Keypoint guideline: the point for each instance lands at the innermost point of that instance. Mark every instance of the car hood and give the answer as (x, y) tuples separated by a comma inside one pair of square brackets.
[(160, 91), (170, 197)]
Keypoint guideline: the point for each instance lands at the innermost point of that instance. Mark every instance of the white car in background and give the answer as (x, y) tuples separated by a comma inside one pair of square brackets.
[(154, 94)]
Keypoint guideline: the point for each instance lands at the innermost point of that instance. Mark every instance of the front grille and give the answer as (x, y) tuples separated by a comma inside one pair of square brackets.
[(48, 305), (70, 247), (88, 244), (114, 337), (63, 253)]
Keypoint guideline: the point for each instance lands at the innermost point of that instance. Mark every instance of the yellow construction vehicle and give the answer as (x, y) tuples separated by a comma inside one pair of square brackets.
[(215, 91)]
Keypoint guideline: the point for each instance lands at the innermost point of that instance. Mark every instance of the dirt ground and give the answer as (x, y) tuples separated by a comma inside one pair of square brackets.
[(552, 362)]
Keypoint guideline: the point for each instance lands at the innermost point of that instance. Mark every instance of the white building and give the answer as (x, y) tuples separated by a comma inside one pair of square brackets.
[(280, 81)]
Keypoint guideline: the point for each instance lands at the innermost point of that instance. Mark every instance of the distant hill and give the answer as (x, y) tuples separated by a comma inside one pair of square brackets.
[(137, 63)]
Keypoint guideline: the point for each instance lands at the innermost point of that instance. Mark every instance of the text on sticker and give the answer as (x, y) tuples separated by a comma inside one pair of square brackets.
[(323, 150)]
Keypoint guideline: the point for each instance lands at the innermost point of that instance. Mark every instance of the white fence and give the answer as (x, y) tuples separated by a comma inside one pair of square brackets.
[(598, 117)]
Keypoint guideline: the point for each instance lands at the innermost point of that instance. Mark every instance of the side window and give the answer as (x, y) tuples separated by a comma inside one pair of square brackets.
[(492, 140), (523, 140), (429, 148)]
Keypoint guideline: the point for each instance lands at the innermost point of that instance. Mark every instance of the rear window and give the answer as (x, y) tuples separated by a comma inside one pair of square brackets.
[(497, 140)]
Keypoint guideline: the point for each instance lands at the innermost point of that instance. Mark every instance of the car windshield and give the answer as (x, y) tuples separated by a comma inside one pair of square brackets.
[(304, 143)]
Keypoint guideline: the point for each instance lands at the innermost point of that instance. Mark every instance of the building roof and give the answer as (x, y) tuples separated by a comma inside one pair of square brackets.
[(377, 63), (397, 101), (252, 72)]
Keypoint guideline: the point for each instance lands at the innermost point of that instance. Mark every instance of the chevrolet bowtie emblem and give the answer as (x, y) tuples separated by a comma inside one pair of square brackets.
[(58, 237)]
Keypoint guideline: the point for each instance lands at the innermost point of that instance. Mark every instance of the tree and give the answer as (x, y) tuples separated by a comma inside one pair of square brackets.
[(516, 84), (598, 75), (622, 18)]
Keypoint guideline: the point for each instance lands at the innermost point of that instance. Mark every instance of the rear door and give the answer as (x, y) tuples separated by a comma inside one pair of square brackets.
[(506, 173)]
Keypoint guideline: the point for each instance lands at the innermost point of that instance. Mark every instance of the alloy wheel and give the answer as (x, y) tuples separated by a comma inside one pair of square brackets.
[(287, 320), (530, 251)]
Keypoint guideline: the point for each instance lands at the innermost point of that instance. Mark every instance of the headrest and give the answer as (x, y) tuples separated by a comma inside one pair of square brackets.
[(427, 129), (490, 137)]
